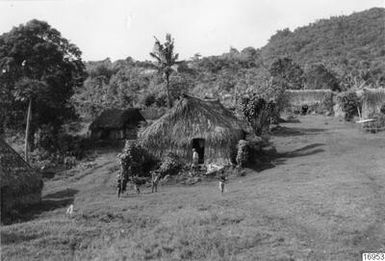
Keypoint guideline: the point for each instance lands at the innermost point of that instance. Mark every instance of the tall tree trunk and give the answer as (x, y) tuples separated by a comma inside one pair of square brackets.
[(168, 91), (2, 126), (27, 130)]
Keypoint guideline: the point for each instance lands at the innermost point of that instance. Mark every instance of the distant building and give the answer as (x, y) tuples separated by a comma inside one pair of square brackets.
[(115, 124), (20, 184), (318, 101)]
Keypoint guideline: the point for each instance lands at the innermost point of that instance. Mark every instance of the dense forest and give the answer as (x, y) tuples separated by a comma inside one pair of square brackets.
[(350, 46)]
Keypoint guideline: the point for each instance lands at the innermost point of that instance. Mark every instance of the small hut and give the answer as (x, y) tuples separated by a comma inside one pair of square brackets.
[(115, 124), (204, 125), (20, 184), (316, 100), (372, 101)]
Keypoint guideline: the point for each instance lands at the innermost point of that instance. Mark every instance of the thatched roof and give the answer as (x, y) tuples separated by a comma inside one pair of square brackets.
[(193, 118), (372, 100), (117, 119), (17, 177)]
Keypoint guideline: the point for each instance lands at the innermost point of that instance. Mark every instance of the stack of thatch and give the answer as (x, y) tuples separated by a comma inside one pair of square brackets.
[(20, 184), (372, 101), (194, 118)]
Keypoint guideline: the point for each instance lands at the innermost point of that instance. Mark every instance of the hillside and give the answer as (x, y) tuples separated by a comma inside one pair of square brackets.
[(348, 51), (344, 43)]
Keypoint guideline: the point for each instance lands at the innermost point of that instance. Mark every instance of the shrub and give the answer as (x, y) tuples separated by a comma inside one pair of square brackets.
[(75, 146), (349, 103), (161, 100), (49, 140), (258, 113), (149, 99), (42, 159), (171, 165), (248, 150), (136, 161), (242, 153), (319, 77)]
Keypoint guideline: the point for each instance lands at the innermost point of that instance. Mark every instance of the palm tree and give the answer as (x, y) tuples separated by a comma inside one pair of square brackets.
[(26, 91), (165, 60)]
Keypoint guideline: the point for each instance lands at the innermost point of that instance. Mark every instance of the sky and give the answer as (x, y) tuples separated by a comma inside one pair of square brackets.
[(121, 28)]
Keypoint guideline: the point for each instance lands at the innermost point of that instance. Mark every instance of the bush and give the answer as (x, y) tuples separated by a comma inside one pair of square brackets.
[(75, 146), (136, 161), (349, 103), (319, 77), (149, 100), (51, 141), (42, 159), (243, 153), (248, 151), (258, 113), (171, 165), (161, 100)]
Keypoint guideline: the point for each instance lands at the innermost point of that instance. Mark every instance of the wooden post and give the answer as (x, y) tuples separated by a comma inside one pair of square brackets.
[(169, 104), (359, 113), (29, 112)]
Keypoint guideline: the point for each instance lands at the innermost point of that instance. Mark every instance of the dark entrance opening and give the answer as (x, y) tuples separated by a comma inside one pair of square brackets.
[(105, 134), (305, 109), (199, 146)]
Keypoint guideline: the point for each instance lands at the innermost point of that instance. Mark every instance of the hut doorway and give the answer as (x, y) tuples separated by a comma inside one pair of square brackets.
[(104, 134), (199, 146), (305, 109)]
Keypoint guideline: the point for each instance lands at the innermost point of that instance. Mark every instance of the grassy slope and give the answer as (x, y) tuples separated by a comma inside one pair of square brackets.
[(324, 200)]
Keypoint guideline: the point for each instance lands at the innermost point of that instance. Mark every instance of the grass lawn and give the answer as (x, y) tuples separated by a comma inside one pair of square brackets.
[(324, 199)]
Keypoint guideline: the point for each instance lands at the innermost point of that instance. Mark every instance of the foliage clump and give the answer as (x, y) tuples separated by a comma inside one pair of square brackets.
[(136, 161), (319, 77), (350, 104), (258, 112), (171, 165), (39, 72), (289, 72), (243, 153)]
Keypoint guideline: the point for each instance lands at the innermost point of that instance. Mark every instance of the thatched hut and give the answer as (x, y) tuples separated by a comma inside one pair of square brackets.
[(204, 125), (316, 100), (20, 184), (372, 101), (115, 124)]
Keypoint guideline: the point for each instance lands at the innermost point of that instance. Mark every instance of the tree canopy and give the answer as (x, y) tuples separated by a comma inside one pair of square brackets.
[(165, 58), (37, 62), (351, 46)]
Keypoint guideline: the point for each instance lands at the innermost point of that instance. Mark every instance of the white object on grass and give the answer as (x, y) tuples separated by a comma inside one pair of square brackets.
[(70, 210), (212, 168), (367, 120)]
